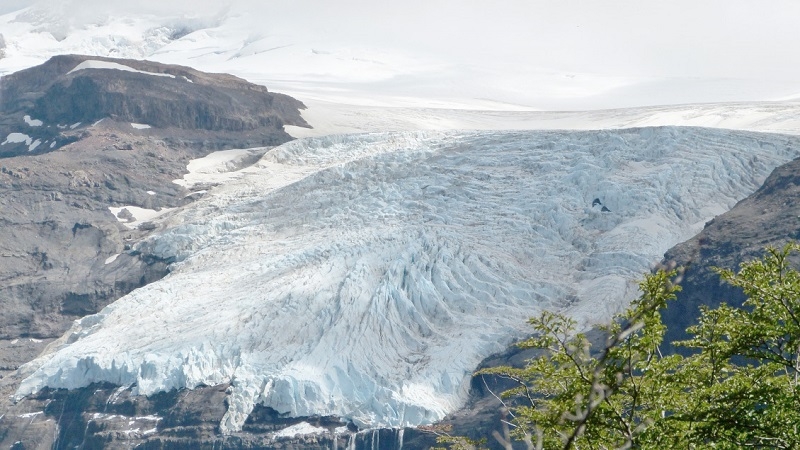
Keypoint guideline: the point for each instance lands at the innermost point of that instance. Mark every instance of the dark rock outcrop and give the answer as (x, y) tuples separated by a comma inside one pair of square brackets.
[(769, 217)]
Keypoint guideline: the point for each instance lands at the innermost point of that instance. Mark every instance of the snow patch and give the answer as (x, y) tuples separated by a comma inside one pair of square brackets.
[(299, 429), (111, 258), (74, 125), (95, 64), (140, 126), (152, 418), (17, 138), (216, 167), (32, 122)]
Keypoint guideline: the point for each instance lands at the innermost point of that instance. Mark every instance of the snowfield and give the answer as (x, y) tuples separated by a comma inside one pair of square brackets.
[(517, 55), (335, 118), (366, 276)]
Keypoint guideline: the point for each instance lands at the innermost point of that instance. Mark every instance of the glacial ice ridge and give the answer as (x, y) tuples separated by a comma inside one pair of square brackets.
[(366, 276)]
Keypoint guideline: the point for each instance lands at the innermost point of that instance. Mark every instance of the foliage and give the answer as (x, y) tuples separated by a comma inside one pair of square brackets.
[(739, 389), (745, 375)]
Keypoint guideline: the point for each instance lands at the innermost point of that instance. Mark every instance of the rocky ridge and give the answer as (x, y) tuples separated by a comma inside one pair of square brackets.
[(769, 217)]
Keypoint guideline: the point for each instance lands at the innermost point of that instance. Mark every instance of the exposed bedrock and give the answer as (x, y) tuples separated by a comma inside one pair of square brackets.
[(57, 254)]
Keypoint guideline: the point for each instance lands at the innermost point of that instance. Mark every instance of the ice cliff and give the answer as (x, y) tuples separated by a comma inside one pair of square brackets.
[(366, 276)]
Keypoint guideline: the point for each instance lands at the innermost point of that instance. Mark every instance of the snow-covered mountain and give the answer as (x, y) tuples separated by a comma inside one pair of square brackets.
[(366, 276), (511, 55)]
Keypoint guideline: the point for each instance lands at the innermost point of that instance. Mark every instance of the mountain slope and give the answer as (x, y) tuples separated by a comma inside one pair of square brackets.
[(768, 217), (58, 186), (366, 276), (75, 194)]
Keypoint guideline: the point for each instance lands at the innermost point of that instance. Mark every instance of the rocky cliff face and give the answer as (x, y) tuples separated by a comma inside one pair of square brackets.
[(74, 144), (769, 217)]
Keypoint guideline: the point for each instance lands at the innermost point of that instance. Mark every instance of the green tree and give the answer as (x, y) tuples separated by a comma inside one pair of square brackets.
[(744, 378), (739, 389)]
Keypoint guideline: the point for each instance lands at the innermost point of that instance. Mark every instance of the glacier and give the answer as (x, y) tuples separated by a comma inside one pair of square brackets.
[(366, 276)]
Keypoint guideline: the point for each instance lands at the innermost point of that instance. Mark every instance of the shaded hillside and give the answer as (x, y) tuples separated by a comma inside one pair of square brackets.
[(769, 217)]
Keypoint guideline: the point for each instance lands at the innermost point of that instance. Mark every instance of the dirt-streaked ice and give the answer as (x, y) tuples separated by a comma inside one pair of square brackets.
[(366, 276)]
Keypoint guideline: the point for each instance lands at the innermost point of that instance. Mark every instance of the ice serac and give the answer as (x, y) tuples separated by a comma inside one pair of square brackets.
[(366, 276)]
